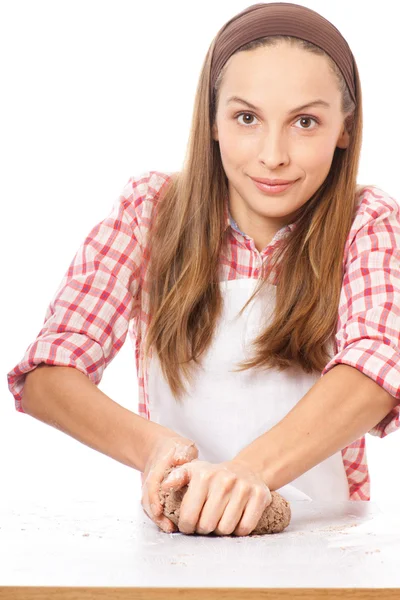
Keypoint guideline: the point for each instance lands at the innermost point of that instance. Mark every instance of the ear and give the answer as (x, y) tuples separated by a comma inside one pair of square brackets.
[(214, 131), (344, 138)]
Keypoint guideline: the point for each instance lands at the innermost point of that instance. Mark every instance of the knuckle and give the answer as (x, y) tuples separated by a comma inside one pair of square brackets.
[(184, 524), (204, 476), (186, 528), (242, 487), (229, 479), (241, 532), (262, 494), (267, 497), (204, 529), (223, 531), (225, 528), (242, 529), (161, 524)]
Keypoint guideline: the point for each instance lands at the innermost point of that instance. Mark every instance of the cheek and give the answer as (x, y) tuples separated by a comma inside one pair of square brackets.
[(315, 156), (234, 149)]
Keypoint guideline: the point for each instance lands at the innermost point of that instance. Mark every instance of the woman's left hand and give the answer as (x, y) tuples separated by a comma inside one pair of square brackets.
[(225, 498)]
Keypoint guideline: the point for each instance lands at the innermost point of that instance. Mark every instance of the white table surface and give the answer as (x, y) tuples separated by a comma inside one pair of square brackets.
[(81, 542)]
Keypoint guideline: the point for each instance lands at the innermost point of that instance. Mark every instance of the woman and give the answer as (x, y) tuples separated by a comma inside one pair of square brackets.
[(262, 274)]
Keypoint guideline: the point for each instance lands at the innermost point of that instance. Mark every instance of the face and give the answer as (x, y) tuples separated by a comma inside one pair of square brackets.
[(273, 138)]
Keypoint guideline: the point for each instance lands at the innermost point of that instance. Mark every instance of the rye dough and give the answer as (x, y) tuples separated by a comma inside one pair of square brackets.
[(275, 518)]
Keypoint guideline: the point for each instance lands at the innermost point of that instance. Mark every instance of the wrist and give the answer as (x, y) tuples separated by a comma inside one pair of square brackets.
[(185, 448), (267, 472)]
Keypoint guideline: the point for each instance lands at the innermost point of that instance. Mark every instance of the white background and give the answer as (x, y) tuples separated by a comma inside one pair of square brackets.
[(93, 93)]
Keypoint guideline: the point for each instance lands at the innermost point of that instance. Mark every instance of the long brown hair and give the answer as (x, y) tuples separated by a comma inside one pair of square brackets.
[(187, 236)]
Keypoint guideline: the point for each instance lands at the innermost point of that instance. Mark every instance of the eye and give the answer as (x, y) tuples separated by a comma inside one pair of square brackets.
[(306, 118), (247, 115), (301, 118)]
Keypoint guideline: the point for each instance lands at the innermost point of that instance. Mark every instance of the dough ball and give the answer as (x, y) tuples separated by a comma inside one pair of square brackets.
[(275, 518)]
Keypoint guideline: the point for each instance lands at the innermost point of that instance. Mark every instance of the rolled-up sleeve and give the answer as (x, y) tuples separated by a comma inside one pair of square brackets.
[(368, 334), (87, 320)]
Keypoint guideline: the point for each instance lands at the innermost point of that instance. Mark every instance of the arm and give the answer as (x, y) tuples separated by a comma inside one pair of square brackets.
[(345, 403), (87, 320), (66, 399), (339, 409)]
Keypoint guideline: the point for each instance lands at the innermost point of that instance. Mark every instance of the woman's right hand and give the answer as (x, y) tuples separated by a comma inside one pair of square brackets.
[(168, 452)]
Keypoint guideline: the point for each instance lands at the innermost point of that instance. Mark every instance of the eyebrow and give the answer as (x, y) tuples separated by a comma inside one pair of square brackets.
[(302, 107)]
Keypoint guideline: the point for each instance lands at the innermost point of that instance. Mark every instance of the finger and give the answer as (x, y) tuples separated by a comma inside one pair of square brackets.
[(192, 505), (163, 522), (176, 479), (219, 495), (252, 513), (212, 512), (185, 453), (153, 482), (233, 512)]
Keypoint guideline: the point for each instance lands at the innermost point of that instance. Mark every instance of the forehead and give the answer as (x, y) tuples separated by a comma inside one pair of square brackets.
[(282, 70)]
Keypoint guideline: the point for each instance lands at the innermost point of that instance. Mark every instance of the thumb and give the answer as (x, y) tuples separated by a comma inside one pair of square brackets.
[(177, 478), (185, 453)]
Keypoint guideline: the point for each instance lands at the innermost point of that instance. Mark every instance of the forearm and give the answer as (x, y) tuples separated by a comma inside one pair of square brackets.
[(339, 409), (66, 399)]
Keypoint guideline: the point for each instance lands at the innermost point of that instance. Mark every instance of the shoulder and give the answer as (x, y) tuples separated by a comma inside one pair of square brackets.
[(373, 203), (374, 207), (142, 192)]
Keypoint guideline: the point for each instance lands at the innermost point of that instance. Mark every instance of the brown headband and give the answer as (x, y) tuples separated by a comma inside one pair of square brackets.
[(282, 18)]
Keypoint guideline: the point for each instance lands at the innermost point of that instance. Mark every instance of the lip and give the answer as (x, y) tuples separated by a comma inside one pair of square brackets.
[(273, 189), (273, 181)]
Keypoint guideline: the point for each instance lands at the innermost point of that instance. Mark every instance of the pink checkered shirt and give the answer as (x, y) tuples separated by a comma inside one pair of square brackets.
[(87, 321)]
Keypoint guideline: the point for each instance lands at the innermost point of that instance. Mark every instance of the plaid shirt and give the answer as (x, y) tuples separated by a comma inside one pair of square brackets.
[(87, 320)]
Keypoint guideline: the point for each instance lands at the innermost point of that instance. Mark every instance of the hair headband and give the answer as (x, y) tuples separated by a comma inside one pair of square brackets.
[(282, 18)]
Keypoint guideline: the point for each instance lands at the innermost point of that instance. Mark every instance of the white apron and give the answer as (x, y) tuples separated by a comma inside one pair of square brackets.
[(226, 411)]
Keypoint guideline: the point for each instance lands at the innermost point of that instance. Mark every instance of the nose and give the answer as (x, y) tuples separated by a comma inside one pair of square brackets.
[(273, 150)]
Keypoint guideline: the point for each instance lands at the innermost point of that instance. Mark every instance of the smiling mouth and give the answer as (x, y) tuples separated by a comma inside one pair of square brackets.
[(273, 189)]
